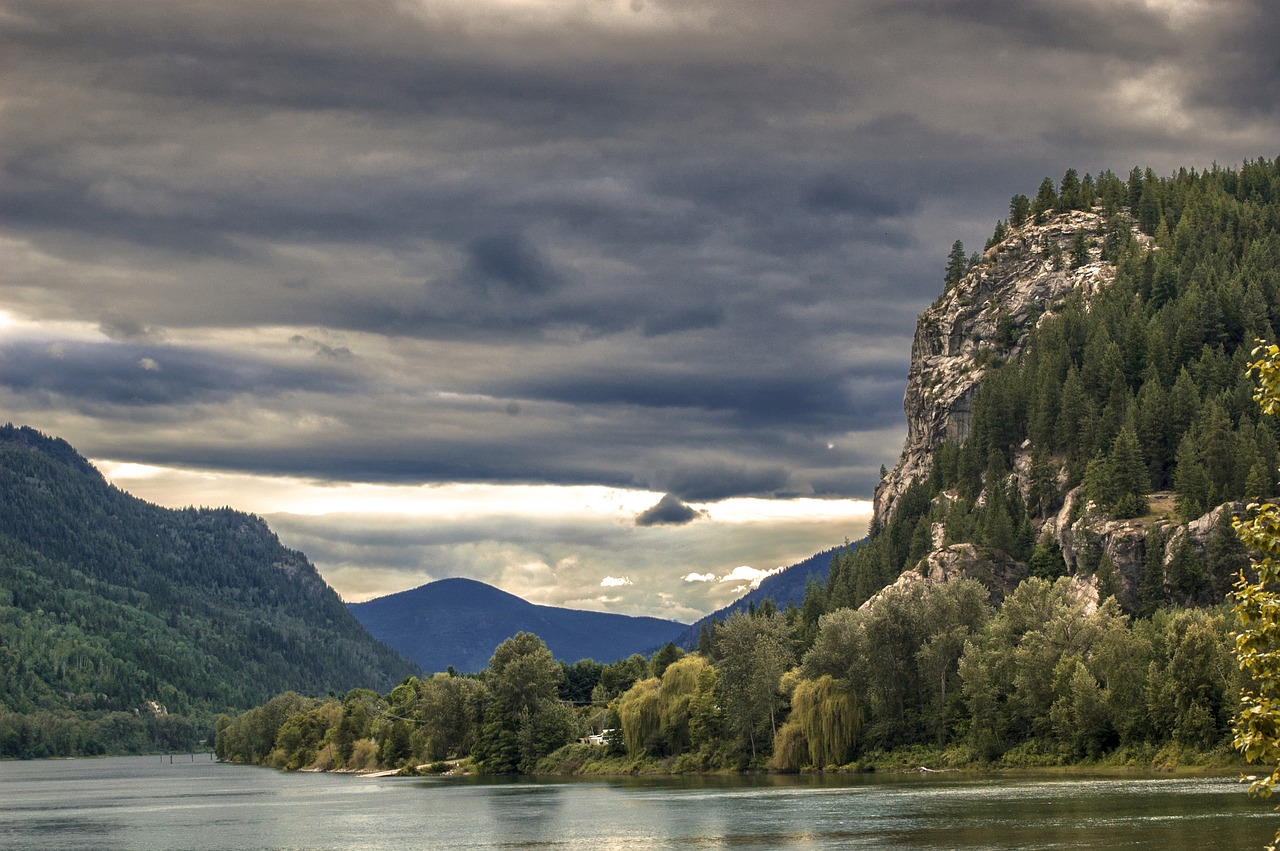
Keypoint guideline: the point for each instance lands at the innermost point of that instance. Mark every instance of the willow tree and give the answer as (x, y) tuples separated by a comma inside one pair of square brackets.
[(1257, 608), (679, 688), (640, 711), (830, 717)]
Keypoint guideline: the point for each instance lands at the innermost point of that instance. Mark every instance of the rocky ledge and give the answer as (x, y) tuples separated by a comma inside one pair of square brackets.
[(988, 314)]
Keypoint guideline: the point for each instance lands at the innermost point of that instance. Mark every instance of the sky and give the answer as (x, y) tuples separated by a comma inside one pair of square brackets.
[(608, 303)]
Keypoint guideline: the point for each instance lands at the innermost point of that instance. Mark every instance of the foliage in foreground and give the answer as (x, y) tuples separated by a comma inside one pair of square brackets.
[(1257, 606)]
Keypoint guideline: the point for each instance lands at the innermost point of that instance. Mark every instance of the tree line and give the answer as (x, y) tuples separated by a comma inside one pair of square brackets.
[(1047, 678)]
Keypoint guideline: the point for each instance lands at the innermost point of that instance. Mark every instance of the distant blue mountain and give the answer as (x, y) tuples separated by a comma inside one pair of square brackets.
[(459, 622), (783, 588)]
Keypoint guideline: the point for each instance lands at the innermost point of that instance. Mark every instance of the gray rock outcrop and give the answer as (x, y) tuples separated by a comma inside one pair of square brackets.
[(988, 314)]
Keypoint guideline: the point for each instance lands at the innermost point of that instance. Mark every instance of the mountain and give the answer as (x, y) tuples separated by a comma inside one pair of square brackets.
[(113, 609), (1079, 400), (787, 587), (459, 622)]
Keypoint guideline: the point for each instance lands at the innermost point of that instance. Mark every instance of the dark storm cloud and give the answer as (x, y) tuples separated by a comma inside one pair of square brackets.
[(710, 482), (686, 245), (746, 391), (668, 511), (87, 375), (1240, 75), (509, 260)]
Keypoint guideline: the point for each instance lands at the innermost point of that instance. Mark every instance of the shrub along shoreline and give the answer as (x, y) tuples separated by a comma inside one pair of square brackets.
[(931, 677)]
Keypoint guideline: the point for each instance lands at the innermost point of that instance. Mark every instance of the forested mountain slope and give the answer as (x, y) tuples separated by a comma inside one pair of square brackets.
[(783, 589), (114, 610), (1078, 401)]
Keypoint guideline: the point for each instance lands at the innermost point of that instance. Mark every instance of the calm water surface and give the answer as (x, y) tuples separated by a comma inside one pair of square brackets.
[(146, 803)]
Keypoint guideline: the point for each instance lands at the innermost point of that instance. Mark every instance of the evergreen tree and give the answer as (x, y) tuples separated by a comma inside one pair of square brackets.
[(1019, 209), (1079, 250), (1225, 557), (998, 235), (956, 265), (1069, 191), (1191, 480), (1131, 479), (1186, 572), (1151, 589), (1046, 200), (1088, 193), (1046, 560), (1107, 576)]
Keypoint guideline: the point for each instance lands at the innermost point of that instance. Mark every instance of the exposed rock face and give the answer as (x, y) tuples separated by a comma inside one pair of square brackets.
[(1000, 575), (988, 314), (1085, 541), (1092, 535)]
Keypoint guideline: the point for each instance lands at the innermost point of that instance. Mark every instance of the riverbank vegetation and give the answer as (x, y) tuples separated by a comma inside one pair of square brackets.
[(931, 676)]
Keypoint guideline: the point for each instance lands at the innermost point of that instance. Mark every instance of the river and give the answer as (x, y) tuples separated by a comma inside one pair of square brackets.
[(140, 803)]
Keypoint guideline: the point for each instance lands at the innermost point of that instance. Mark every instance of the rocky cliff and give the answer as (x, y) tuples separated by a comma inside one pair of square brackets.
[(988, 314)]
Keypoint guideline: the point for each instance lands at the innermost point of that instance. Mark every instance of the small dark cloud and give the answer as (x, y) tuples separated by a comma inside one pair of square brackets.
[(669, 511), (839, 194), (128, 329), (513, 262), (322, 349)]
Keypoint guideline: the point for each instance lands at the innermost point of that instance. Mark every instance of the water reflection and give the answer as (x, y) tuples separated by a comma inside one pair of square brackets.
[(138, 804), (527, 814)]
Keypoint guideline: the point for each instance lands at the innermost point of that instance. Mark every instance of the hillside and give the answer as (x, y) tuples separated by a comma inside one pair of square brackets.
[(1078, 401), (113, 610), (458, 622), (786, 588)]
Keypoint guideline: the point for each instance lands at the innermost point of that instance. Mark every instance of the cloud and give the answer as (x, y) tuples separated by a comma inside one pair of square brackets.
[(711, 481), (742, 577), (614, 582), (83, 374), (750, 576), (124, 328), (511, 261), (668, 511)]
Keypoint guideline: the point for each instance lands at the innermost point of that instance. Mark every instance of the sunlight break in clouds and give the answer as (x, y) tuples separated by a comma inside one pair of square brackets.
[(289, 495), (547, 544)]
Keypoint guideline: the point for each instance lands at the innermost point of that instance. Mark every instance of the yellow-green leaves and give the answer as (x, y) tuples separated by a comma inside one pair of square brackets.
[(1257, 609)]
